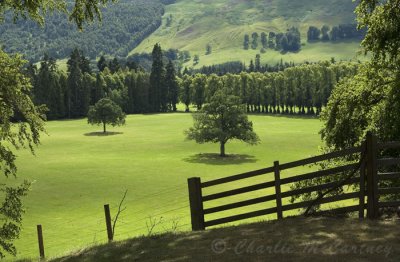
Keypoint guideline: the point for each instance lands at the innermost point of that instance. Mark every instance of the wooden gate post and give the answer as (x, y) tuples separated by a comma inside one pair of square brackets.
[(362, 186), (40, 241), (372, 176), (278, 190), (108, 222), (196, 203)]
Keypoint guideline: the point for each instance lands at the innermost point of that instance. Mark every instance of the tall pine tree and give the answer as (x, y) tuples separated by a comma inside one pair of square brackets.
[(75, 86), (158, 93), (102, 63), (172, 86)]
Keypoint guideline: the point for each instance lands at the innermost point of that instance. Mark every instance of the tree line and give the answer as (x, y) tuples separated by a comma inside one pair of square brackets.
[(302, 89), (236, 67), (337, 33), (290, 41)]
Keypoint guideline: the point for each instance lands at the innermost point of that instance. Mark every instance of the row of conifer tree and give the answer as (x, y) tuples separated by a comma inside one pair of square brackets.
[(301, 89)]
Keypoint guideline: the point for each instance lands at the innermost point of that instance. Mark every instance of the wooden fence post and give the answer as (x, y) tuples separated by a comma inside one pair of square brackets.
[(40, 241), (278, 190), (196, 203), (362, 185), (108, 222), (372, 176)]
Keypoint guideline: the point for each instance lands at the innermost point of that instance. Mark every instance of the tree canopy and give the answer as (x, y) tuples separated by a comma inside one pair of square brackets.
[(382, 20), (106, 112), (221, 120), (82, 10), (21, 123), (16, 104), (369, 101)]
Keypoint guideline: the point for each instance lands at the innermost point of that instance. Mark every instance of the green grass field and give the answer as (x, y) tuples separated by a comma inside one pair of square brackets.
[(76, 172), (223, 23)]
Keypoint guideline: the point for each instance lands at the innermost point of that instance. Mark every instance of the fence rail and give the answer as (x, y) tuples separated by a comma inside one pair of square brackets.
[(363, 171)]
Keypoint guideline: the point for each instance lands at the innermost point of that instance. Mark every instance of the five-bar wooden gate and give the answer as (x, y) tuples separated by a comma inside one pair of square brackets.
[(364, 172)]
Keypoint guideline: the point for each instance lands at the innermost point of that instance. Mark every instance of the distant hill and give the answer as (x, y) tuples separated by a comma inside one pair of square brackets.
[(192, 25), (125, 24), (211, 30)]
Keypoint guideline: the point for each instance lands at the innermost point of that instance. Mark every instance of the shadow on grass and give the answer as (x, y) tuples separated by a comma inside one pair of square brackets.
[(293, 116), (291, 239), (103, 134), (216, 159)]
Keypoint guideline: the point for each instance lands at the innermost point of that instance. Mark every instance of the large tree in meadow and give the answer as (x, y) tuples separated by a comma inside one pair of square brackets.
[(21, 122), (221, 120), (106, 112)]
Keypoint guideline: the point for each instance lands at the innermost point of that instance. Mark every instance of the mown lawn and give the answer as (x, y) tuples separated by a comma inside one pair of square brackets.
[(75, 172)]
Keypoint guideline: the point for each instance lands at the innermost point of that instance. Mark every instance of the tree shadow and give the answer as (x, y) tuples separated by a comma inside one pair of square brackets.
[(291, 239), (103, 134), (293, 116), (216, 159)]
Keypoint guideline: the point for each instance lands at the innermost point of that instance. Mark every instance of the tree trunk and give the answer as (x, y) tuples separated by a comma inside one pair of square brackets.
[(104, 127), (222, 149)]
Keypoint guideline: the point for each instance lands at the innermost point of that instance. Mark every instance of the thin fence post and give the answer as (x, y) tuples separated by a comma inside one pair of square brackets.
[(196, 203), (108, 222), (40, 241), (278, 190), (372, 176), (362, 185)]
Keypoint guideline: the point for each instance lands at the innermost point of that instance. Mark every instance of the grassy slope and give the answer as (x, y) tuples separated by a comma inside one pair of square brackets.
[(75, 174), (223, 23), (312, 239)]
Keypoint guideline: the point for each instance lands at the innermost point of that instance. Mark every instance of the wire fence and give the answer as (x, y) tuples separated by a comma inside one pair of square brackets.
[(155, 213)]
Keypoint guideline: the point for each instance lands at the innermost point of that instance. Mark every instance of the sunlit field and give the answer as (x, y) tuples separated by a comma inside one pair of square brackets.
[(76, 171)]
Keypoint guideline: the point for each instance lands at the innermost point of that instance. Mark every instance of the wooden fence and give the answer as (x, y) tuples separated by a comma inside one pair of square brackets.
[(364, 172)]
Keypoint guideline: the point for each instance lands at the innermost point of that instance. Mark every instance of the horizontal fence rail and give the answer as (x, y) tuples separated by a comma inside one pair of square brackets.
[(362, 172)]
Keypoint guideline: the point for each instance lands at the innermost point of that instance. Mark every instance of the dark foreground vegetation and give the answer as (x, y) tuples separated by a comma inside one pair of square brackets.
[(292, 239)]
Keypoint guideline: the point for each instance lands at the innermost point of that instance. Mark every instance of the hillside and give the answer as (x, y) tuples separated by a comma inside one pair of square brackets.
[(293, 239), (124, 25), (130, 27), (192, 25)]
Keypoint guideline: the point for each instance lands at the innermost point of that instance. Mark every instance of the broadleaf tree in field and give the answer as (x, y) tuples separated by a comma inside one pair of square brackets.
[(106, 112), (221, 120), (21, 122)]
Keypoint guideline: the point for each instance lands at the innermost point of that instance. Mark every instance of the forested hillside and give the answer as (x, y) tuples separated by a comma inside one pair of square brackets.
[(210, 32), (125, 24)]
